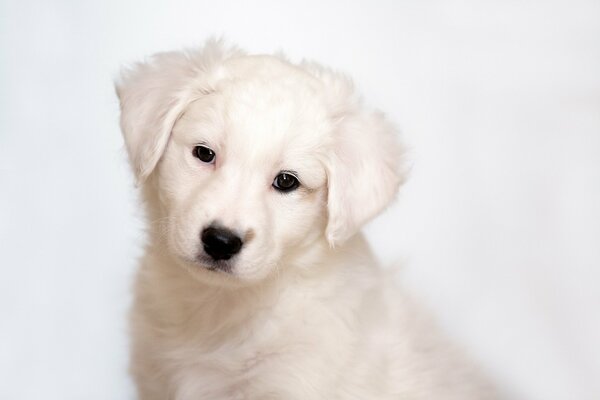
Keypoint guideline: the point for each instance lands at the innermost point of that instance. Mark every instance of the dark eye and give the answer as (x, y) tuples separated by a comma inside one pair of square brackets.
[(204, 154), (285, 182)]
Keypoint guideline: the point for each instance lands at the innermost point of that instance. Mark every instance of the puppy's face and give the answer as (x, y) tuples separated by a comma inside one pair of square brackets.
[(257, 165), (242, 179)]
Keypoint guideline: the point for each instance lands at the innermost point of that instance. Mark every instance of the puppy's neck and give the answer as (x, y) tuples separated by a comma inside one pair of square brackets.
[(184, 305)]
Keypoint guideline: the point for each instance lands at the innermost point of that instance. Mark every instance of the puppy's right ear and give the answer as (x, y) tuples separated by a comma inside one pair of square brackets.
[(153, 94)]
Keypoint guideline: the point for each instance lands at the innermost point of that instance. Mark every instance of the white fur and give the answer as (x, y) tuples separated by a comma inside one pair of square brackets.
[(305, 312)]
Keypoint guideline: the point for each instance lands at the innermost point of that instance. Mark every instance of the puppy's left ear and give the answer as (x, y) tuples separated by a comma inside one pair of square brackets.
[(365, 170)]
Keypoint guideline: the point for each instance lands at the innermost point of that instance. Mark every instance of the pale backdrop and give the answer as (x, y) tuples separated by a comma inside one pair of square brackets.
[(498, 229)]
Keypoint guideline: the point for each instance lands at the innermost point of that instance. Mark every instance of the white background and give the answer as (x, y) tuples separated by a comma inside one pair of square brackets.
[(498, 228)]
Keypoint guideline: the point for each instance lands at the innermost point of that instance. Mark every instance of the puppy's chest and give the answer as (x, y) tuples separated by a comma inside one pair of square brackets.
[(232, 353), (272, 357), (257, 367)]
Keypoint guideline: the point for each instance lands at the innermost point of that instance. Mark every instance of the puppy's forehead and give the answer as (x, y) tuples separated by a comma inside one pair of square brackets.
[(269, 97), (264, 112), (272, 109)]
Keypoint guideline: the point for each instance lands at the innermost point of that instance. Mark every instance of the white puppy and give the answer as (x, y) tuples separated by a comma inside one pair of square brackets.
[(257, 175)]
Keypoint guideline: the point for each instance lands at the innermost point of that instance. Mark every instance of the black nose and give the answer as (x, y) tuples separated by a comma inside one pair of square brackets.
[(220, 243)]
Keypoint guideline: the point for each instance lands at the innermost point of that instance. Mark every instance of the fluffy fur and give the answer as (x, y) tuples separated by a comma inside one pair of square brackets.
[(303, 312)]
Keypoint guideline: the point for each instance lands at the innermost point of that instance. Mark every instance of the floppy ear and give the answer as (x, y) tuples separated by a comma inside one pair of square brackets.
[(364, 173), (153, 94), (365, 162)]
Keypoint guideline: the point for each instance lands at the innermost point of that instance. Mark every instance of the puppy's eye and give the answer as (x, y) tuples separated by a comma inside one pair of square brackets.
[(285, 182), (204, 154)]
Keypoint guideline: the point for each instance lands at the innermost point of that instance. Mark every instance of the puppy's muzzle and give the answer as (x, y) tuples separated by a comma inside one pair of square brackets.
[(220, 243)]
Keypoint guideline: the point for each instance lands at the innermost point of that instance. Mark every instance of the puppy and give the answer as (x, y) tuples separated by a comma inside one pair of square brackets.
[(257, 175)]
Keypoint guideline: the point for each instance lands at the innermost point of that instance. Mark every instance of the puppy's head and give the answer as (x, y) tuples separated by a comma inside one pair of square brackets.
[(254, 164)]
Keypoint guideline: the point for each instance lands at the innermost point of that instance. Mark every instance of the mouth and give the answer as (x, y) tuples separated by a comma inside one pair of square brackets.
[(218, 266)]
